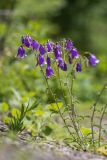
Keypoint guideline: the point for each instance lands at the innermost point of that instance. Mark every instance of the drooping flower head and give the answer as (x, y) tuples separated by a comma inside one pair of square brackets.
[(35, 45), (70, 59), (49, 46), (93, 60), (49, 70), (21, 52), (27, 41), (62, 65), (42, 49), (40, 60), (57, 52), (69, 45), (74, 53), (78, 67)]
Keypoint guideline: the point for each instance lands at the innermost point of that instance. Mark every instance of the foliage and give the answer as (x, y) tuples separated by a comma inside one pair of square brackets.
[(22, 80), (16, 122)]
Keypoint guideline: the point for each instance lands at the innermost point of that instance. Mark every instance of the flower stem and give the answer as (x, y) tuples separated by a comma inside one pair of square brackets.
[(53, 95), (93, 114), (102, 115)]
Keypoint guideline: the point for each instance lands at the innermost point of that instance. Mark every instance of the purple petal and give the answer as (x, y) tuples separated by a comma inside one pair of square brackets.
[(27, 41), (48, 61), (42, 49), (93, 60), (49, 46), (35, 45), (21, 52), (41, 60), (69, 45), (49, 72), (62, 65), (78, 67), (74, 53), (70, 59)]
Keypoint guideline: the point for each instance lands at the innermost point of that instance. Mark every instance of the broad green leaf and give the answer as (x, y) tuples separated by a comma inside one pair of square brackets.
[(85, 131), (4, 107), (15, 112), (6, 120), (55, 107), (39, 112)]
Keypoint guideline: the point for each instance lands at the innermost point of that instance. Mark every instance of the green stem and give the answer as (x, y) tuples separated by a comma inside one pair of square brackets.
[(102, 115), (70, 91), (53, 95), (93, 114)]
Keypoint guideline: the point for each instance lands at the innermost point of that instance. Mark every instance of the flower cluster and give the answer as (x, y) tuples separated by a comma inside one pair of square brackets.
[(63, 53)]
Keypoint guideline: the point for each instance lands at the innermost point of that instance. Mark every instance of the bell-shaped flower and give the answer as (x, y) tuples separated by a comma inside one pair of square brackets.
[(21, 52), (35, 45), (93, 61), (69, 45), (78, 67), (42, 49), (62, 65), (49, 70), (74, 53), (27, 41), (40, 60), (49, 46)]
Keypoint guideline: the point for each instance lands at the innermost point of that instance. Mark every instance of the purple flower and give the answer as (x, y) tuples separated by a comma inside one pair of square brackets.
[(69, 45), (57, 52), (48, 61), (41, 60), (49, 46), (78, 67), (35, 45), (49, 70), (42, 49), (62, 65), (21, 52), (93, 60), (27, 41), (70, 59), (74, 53)]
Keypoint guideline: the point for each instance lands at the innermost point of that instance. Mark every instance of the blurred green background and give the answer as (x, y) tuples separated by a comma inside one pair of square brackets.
[(85, 22)]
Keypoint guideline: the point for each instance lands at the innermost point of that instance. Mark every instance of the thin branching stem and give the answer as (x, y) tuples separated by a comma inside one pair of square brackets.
[(93, 114), (66, 102), (53, 95), (100, 125)]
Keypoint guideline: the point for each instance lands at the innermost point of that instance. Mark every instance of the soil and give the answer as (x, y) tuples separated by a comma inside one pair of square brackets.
[(22, 149)]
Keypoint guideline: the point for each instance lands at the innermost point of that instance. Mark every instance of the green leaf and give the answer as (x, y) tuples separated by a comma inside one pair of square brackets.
[(55, 107), (47, 131), (33, 106), (15, 112), (4, 107), (39, 112), (85, 131)]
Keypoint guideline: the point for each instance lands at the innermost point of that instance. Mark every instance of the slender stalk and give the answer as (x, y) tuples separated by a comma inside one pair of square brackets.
[(62, 88), (67, 105), (53, 95), (102, 115), (70, 91), (93, 114)]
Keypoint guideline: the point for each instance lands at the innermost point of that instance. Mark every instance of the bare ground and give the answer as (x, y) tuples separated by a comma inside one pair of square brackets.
[(20, 149)]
